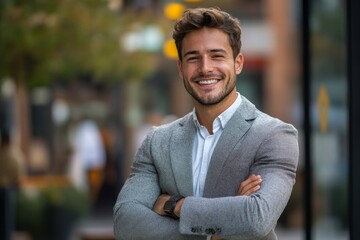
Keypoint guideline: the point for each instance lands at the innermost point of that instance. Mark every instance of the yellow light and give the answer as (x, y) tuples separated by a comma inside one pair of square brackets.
[(323, 104), (174, 10), (170, 49)]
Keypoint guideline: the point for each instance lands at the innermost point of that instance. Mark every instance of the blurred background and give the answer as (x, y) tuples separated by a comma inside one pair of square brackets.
[(82, 81)]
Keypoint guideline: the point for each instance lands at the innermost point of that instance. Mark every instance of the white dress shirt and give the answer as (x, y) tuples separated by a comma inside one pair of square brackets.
[(204, 145)]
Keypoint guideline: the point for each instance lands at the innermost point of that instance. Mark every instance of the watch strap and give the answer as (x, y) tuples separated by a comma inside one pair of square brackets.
[(170, 205)]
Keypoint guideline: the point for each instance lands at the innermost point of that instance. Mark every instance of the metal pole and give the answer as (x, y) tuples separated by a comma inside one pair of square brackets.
[(353, 18), (306, 63)]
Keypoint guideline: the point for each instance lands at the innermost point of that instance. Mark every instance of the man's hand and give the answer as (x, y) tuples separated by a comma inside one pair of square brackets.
[(159, 204), (250, 185), (247, 187)]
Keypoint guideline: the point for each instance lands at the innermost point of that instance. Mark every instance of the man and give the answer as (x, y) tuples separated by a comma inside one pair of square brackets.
[(188, 177)]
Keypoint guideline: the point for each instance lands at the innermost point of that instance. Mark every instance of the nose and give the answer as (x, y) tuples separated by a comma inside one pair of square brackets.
[(205, 65)]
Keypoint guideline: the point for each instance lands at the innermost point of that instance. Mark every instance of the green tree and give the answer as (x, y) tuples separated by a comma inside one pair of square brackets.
[(41, 40)]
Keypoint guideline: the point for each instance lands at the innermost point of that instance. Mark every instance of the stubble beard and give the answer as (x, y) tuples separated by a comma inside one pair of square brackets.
[(210, 100)]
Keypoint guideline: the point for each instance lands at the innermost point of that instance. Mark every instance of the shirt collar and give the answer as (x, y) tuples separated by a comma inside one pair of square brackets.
[(221, 120)]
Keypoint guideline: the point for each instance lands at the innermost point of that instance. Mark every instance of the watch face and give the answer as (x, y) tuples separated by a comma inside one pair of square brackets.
[(168, 207)]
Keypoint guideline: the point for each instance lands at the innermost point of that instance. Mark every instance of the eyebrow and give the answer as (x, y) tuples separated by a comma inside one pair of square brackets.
[(211, 51)]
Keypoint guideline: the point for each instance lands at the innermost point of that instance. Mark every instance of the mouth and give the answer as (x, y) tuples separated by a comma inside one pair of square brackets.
[(207, 81)]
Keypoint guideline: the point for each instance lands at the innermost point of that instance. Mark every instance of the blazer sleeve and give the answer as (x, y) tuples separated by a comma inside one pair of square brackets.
[(133, 215), (255, 216)]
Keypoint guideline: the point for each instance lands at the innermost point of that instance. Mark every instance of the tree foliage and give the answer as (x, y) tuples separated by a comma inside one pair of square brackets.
[(42, 40)]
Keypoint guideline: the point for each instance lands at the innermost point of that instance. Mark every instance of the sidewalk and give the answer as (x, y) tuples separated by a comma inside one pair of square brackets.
[(94, 229), (98, 226)]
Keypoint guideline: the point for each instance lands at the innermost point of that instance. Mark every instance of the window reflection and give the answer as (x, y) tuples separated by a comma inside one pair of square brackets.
[(329, 119)]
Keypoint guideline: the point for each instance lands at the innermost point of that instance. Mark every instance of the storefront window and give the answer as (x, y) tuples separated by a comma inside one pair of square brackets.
[(329, 111)]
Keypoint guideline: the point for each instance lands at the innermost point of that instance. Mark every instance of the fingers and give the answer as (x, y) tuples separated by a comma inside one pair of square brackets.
[(250, 185), (159, 204)]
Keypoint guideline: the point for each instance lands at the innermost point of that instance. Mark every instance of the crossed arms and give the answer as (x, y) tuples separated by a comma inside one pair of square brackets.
[(252, 214), (247, 187)]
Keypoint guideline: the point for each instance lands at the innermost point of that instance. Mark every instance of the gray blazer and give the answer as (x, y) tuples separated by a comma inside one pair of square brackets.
[(251, 143)]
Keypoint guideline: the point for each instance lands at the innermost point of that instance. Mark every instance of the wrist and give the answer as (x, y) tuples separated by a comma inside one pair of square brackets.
[(178, 207), (172, 204)]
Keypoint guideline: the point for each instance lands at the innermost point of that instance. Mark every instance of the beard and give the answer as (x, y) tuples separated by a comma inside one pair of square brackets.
[(210, 99)]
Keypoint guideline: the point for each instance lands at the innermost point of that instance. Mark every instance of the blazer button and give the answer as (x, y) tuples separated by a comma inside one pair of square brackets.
[(196, 229), (210, 231)]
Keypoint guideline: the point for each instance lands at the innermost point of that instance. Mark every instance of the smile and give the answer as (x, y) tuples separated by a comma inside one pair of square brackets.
[(205, 82)]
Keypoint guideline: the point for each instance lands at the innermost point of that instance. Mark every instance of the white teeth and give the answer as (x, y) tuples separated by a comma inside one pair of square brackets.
[(208, 81)]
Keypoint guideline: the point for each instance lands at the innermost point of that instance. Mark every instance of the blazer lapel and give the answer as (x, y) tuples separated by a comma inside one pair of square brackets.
[(181, 146), (235, 129)]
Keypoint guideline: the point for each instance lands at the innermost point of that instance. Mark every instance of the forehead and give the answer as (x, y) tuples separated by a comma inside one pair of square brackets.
[(206, 39)]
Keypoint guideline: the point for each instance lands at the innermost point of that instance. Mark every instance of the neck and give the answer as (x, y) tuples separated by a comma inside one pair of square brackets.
[(206, 114)]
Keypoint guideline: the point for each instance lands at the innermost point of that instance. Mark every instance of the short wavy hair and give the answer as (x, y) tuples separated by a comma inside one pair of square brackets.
[(197, 18)]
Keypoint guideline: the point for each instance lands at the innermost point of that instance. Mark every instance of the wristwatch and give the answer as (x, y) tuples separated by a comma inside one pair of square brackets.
[(170, 205)]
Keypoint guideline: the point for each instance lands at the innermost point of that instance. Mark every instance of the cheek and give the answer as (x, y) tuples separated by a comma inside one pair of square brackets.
[(189, 72), (227, 68), (225, 65)]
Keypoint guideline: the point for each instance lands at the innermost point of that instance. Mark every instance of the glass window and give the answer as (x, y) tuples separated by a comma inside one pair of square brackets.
[(329, 111)]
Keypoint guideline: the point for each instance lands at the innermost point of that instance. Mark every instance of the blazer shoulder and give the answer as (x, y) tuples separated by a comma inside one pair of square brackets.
[(166, 130), (260, 122), (267, 124)]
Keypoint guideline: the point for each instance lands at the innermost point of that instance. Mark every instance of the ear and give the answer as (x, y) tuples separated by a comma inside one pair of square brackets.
[(179, 66), (239, 62)]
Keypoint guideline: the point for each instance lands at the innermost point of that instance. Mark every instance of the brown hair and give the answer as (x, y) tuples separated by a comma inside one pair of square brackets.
[(197, 18)]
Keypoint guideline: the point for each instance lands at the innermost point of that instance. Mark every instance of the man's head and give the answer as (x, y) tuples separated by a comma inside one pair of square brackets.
[(195, 19)]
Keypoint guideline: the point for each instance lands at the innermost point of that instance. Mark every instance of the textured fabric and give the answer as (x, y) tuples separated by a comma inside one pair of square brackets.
[(204, 145), (251, 143)]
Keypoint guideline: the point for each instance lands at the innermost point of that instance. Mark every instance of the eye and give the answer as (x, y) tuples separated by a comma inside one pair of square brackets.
[(218, 56), (192, 59)]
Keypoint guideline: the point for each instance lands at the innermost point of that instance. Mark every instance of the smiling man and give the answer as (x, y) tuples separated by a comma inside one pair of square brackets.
[(199, 177), (208, 69)]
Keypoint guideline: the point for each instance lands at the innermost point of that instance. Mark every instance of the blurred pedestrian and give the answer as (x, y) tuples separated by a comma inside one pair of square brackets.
[(88, 157), (11, 171), (199, 177)]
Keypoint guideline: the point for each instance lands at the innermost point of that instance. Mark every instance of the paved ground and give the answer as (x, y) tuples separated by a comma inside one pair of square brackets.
[(100, 227)]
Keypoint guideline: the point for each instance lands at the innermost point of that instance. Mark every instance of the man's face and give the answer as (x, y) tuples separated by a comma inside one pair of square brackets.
[(208, 67)]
